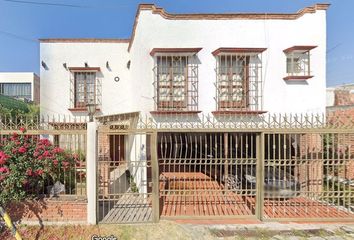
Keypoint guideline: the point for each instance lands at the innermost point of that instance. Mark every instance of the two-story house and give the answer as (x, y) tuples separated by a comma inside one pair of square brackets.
[(179, 66), (190, 63)]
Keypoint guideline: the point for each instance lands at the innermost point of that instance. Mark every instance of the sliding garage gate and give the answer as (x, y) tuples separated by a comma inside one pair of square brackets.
[(202, 175), (144, 177)]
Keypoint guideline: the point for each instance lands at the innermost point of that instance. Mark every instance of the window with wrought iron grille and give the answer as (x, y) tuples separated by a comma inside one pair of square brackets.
[(239, 84), (85, 89), (176, 83), (298, 62)]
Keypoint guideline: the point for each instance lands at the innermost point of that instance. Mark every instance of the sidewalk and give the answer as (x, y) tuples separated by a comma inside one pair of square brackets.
[(171, 230)]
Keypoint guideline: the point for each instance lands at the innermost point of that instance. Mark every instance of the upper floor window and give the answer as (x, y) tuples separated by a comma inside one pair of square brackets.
[(85, 87), (16, 90), (298, 62), (238, 82), (176, 80)]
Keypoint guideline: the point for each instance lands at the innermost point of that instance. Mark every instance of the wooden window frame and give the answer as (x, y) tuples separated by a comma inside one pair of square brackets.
[(165, 105), (230, 103), (80, 106)]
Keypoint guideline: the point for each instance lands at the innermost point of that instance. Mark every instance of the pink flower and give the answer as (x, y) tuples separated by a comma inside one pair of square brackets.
[(29, 172), (45, 142), (22, 129), (57, 150), (46, 153), (65, 164), (55, 162), (4, 169), (3, 157), (22, 150), (39, 172)]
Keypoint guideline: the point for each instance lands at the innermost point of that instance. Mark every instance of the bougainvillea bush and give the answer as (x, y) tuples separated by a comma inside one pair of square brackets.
[(29, 164)]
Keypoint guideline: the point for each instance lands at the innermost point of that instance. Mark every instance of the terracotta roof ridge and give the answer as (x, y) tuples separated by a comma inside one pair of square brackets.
[(159, 10), (221, 16)]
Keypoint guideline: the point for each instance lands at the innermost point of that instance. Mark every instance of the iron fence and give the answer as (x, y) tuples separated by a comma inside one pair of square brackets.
[(53, 153), (271, 167)]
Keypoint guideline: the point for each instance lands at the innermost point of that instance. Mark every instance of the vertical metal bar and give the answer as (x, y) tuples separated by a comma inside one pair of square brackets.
[(226, 155), (260, 175), (308, 63), (155, 178)]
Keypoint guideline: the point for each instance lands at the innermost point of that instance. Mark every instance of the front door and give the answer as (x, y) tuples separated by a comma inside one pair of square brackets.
[(116, 149)]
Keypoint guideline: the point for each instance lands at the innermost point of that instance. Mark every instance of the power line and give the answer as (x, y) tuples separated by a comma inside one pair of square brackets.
[(67, 5), (331, 49), (47, 3), (18, 36)]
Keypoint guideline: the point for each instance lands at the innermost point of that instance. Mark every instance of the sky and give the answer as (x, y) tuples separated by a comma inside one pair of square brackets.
[(23, 23)]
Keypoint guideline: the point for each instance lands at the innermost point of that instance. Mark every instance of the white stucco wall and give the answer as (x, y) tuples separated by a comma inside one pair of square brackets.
[(55, 85), (134, 91), (153, 31), (330, 97), (23, 77)]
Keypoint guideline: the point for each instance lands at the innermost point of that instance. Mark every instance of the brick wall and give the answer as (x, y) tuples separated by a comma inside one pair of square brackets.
[(49, 210), (309, 169), (103, 143), (343, 113), (345, 141), (343, 97)]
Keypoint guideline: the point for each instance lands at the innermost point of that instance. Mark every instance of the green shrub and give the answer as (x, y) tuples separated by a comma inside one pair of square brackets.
[(29, 164)]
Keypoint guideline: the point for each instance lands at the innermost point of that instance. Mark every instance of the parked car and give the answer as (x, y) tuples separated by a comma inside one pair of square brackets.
[(278, 182)]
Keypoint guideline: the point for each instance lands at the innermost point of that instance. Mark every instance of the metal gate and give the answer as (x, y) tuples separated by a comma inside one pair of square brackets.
[(312, 171), (271, 173), (207, 175), (124, 178)]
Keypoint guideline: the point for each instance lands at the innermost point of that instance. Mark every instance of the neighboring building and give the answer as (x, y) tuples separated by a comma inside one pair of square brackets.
[(192, 63), (340, 107), (340, 97), (20, 85)]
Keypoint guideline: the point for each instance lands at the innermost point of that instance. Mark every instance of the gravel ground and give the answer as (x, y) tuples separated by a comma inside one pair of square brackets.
[(171, 230)]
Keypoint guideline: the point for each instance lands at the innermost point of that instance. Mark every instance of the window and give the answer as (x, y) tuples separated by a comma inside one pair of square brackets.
[(233, 81), (176, 83), (85, 88), (172, 82), (238, 80), (16, 90), (298, 62)]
